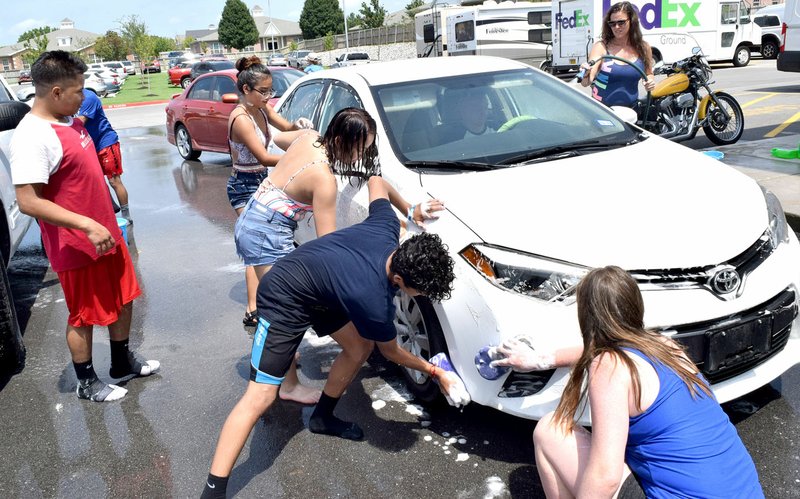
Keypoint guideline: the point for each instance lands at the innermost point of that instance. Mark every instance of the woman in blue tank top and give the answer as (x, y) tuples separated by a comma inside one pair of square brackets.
[(651, 410), (615, 83)]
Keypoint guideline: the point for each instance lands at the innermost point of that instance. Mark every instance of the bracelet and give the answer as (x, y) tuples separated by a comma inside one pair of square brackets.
[(432, 371), (410, 215)]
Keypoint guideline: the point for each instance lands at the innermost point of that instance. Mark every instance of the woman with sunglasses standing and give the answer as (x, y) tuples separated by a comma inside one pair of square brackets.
[(248, 137), (615, 83)]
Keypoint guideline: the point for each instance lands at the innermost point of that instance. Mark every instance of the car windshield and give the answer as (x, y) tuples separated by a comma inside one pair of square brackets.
[(494, 120), (282, 80), (220, 65)]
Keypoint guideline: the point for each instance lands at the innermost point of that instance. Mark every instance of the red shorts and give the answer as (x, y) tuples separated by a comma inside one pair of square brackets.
[(110, 160), (96, 293)]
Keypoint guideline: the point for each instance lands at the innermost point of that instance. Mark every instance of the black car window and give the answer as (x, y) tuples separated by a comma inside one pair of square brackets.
[(201, 90), (339, 97), (302, 102), (224, 86), (220, 65)]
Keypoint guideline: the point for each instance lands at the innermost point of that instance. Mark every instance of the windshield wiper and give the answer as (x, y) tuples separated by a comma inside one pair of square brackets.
[(450, 165), (563, 150)]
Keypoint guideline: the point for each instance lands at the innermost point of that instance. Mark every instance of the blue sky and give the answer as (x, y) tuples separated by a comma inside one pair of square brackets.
[(162, 17)]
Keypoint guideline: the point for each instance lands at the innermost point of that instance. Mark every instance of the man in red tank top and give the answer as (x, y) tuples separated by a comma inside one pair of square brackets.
[(59, 181)]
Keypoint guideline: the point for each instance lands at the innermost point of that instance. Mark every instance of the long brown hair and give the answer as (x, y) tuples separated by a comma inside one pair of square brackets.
[(611, 317), (634, 32), (348, 130)]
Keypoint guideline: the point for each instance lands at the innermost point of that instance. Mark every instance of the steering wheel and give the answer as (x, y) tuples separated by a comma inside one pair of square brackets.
[(508, 125)]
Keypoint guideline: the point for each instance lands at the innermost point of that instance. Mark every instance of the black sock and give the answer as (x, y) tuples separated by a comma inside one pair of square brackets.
[(215, 487), (120, 362), (84, 371), (323, 421)]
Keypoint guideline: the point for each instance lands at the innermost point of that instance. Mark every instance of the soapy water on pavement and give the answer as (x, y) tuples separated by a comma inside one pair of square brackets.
[(495, 488)]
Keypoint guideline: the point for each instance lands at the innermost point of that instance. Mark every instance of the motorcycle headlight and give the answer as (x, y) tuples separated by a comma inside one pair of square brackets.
[(533, 276), (777, 227)]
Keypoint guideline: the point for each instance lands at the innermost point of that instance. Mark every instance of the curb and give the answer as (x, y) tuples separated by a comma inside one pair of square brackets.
[(135, 104)]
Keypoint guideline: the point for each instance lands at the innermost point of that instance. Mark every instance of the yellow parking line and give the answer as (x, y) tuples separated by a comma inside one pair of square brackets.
[(783, 126), (758, 100)]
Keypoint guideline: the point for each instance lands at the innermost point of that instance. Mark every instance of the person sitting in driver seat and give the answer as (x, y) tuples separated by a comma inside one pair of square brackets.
[(473, 107)]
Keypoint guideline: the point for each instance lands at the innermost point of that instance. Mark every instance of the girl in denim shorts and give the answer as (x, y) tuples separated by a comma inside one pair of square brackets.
[(249, 137)]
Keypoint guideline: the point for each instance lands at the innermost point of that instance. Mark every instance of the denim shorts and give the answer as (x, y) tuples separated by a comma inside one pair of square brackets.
[(263, 236), (242, 185)]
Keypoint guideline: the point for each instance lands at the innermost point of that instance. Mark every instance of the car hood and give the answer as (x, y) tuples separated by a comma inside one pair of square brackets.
[(653, 205)]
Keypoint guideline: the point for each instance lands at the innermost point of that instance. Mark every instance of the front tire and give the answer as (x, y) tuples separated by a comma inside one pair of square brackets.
[(742, 56), (419, 333), (12, 349), (724, 124), (769, 50), (185, 82), (183, 141)]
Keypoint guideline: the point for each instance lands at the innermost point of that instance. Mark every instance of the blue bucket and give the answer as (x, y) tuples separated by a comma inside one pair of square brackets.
[(714, 154), (123, 226)]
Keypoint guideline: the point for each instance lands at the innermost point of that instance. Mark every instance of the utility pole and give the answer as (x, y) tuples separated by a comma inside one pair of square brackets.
[(271, 29), (346, 42)]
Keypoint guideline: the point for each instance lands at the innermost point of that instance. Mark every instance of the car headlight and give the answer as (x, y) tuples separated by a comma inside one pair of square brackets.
[(534, 276), (777, 228)]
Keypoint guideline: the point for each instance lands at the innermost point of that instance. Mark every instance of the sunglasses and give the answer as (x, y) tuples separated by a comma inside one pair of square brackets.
[(617, 24), (266, 94)]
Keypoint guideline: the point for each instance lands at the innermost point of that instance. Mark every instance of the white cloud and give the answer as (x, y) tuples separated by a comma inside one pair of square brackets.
[(23, 26)]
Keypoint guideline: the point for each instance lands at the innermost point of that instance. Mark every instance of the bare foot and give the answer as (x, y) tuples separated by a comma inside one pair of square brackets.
[(300, 393)]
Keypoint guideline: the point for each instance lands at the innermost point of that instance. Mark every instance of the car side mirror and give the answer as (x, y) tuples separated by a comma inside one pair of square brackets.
[(230, 98)]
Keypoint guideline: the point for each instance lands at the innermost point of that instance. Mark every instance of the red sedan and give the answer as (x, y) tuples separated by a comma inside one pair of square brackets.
[(197, 118), (180, 74)]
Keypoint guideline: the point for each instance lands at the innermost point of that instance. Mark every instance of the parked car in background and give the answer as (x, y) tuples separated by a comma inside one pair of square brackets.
[(769, 18), (111, 68), (94, 83), (208, 66), (181, 74), (197, 118), (153, 66), (580, 189), (351, 59), (789, 57), (13, 226), (130, 68), (298, 59), (24, 76), (277, 60), (112, 81)]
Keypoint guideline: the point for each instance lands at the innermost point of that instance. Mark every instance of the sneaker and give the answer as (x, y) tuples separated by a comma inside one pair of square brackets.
[(97, 391), (137, 368)]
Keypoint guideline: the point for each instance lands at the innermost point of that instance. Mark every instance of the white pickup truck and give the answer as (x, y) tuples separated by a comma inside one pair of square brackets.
[(13, 225), (351, 59)]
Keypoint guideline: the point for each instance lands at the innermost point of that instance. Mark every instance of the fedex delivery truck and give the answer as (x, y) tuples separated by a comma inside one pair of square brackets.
[(724, 30)]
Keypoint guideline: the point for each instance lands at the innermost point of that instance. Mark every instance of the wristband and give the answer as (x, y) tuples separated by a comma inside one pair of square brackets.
[(410, 215), (433, 372)]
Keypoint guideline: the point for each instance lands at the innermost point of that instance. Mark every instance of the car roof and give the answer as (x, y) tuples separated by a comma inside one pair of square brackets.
[(233, 73), (381, 73)]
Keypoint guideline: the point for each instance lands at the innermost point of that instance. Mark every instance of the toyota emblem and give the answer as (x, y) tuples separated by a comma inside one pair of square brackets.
[(726, 280)]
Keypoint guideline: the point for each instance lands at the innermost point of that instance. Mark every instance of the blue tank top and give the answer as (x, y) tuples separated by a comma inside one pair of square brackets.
[(685, 447), (617, 83)]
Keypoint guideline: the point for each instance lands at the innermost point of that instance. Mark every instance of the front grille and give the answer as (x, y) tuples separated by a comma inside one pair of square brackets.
[(725, 347), (525, 384), (701, 277)]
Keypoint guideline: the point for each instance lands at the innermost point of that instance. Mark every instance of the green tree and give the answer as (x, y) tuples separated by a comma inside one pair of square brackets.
[(163, 44), (34, 47), (411, 7), (320, 17), (328, 41), (35, 32), (293, 46), (237, 28), (110, 47), (354, 20), (130, 28), (188, 41), (372, 14)]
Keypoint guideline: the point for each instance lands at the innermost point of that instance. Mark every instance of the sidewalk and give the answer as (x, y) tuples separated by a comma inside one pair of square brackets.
[(781, 176)]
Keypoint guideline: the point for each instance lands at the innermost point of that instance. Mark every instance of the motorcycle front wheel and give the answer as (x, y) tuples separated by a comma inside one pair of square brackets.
[(724, 123)]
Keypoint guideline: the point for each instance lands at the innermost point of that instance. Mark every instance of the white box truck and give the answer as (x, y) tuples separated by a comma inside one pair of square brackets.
[(430, 29), (724, 30), (789, 55), (515, 30)]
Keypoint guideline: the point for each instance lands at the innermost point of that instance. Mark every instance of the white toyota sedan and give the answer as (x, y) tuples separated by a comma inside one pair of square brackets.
[(541, 183)]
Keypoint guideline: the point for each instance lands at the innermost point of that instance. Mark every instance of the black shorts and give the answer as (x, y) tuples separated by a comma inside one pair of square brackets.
[(274, 348), (631, 489)]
